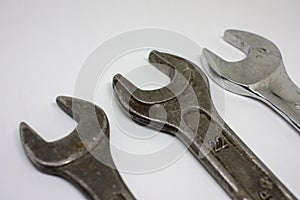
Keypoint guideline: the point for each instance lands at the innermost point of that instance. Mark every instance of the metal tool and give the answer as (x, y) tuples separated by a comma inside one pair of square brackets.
[(260, 75), (77, 156), (184, 109)]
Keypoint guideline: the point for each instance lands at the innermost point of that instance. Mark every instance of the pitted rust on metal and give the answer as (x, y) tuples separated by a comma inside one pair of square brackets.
[(77, 157), (192, 118), (260, 75)]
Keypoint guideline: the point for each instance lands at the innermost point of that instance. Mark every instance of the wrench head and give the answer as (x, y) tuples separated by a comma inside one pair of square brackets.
[(167, 108), (92, 128), (262, 60)]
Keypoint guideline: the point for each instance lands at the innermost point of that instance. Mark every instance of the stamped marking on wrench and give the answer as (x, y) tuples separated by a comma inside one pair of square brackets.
[(212, 142)]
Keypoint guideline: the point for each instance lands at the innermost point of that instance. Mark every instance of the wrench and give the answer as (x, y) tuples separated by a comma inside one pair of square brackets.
[(260, 75), (76, 156), (184, 109)]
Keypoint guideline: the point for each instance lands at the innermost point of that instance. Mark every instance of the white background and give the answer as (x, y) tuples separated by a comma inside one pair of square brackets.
[(43, 45)]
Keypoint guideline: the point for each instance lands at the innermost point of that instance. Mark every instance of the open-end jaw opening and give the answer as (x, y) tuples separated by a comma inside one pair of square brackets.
[(91, 129), (174, 67)]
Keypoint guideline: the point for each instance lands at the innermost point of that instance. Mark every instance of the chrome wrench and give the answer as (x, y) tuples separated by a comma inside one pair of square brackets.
[(260, 75)]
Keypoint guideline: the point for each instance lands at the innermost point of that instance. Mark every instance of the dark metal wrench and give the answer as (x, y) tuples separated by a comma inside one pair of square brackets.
[(260, 75), (184, 109), (83, 157)]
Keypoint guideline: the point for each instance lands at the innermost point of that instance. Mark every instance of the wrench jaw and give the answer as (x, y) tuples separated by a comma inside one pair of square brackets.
[(135, 107), (42, 154), (31, 142), (171, 65), (177, 70), (65, 103), (217, 68), (83, 157), (49, 156), (238, 39), (245, 77), (172, 111), (148, 107), (261, 75), (263, 58), (162, 63), (252, 44), (83, 112)]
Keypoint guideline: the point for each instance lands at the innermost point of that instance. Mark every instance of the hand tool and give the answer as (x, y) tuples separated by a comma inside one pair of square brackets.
[(260, 75), (191, 117), (77, 157)]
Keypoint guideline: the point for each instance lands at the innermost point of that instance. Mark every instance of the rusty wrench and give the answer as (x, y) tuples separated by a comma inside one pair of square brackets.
[(192, 118), (260, 75), (78, 156)]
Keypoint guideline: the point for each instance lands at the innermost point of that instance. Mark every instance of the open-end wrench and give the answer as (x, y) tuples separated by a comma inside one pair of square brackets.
[(76, 157), (184, 109), (260, 75)]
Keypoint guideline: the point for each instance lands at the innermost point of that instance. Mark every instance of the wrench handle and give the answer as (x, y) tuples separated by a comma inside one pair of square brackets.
[(283, 95), (234, 166)]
